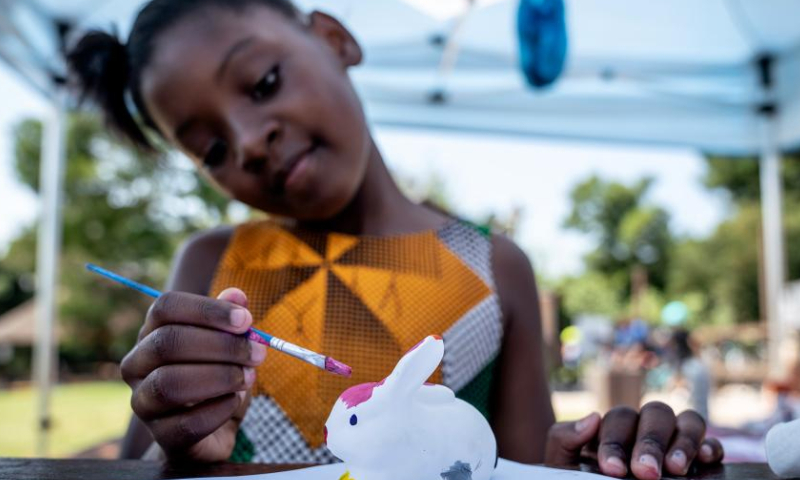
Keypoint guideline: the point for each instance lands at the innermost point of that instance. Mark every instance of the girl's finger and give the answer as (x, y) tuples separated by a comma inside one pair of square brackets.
[(654, 432), (172, 344), (617, 435), (711, 451), (565, 440), (178, 432), (233, 295), (190, 309), (175, 387), (691, 428)]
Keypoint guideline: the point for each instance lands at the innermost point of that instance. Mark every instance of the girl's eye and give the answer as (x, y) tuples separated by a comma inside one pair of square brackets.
[(353, 420), (267, 86), (215, 156)]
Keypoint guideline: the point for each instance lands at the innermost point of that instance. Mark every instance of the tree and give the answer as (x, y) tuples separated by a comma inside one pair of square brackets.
[(724, 267), (121, 209), (594, 294), (739, 177), (629, 232)]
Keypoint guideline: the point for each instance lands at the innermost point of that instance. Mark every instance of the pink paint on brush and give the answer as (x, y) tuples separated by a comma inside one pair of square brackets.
[(253, 336), (359, 394), (334, 366)]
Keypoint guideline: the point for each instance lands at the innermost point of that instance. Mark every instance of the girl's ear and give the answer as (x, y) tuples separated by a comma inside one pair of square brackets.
[(415, 367), (336, 35)]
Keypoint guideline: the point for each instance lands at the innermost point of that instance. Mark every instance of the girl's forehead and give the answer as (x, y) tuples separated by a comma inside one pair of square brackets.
[(201, 35), (187, 58)]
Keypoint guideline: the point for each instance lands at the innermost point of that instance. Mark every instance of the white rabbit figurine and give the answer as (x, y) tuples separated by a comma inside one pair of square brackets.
[(402, 428)]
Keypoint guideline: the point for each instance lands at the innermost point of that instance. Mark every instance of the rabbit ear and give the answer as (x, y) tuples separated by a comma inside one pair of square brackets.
[(416, 366)]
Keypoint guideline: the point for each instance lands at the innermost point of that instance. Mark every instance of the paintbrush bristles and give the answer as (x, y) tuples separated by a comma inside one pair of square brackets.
[(335, 366)]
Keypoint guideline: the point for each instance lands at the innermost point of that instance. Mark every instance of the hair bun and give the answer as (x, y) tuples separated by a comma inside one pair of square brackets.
[(99, 63)]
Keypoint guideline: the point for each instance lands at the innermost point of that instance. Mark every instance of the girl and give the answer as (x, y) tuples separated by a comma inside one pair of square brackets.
[(258, 96)]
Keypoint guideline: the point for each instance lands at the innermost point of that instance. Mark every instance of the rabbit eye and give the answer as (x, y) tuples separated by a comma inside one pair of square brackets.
[(353, 419)]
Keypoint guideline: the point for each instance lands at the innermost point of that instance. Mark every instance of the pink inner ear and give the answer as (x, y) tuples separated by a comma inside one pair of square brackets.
[(359, 394)]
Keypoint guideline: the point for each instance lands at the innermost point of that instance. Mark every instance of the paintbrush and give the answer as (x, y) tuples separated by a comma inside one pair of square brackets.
[(318, 360)]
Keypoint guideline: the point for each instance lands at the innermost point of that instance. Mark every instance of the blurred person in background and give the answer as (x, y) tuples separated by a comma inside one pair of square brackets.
[(691, 372)]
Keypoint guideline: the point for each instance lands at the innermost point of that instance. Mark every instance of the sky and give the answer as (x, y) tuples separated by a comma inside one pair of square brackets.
[(482, 174)]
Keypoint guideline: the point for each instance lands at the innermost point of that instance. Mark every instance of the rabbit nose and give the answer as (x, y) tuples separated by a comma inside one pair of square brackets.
[(325, 432)]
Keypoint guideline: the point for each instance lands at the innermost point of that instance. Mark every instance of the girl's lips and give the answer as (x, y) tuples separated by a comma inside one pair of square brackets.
[(298, 174)]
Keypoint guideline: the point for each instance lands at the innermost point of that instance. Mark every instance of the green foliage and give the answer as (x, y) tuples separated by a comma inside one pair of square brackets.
[(648, 306), (592, 293), (725, 266), (629, 232), (717, 277), (739, 177), (123, 210), (13, 289)]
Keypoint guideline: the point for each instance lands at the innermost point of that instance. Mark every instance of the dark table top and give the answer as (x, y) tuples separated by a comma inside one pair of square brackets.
[(73, 469)]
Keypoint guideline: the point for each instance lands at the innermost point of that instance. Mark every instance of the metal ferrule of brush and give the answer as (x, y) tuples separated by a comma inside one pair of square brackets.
[(298, 352)]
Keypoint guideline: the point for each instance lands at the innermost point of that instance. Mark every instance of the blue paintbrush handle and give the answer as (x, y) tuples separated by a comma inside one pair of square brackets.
[(151, 291), (326, 363), (127, 282)]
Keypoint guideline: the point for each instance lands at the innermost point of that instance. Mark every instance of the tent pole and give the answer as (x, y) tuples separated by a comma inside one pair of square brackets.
[(51, 179), (772, 230), (771, 213)]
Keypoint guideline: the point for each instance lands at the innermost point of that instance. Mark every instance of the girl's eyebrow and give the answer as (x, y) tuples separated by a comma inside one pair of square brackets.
[(236, 48)]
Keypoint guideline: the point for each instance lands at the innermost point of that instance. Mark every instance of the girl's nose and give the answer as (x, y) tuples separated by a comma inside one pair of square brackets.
[(257, 146)]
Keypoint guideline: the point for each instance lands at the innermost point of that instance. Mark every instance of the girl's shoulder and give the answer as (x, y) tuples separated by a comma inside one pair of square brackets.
[(514, 279), (196, 260)]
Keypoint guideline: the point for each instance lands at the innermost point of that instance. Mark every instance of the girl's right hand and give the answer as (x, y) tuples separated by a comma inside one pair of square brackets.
[(191, 370)]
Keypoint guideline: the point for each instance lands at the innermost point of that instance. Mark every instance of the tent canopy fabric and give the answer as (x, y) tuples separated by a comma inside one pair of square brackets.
[(681, 72)]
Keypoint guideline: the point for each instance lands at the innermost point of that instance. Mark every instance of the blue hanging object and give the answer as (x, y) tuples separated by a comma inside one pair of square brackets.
[(542, 31)]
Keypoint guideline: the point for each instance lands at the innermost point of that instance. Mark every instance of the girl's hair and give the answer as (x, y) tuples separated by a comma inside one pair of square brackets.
[(108, 71)]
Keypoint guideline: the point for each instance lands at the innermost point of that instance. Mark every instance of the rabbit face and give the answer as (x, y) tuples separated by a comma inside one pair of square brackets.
[(362, 424), (371, 419)]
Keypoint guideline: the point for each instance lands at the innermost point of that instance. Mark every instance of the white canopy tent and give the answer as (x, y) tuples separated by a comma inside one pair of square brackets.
[(719, 76)]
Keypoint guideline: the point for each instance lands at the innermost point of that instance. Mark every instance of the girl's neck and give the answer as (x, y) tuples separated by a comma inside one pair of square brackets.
[(379, 207)]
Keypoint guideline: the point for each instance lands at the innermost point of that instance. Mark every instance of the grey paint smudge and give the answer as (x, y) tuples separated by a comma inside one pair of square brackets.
[(459, 471)]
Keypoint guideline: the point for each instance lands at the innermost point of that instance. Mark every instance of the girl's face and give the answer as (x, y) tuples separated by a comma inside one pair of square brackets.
[(264, 106)]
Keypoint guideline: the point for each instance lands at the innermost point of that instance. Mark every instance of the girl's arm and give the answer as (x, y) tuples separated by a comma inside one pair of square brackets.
[(522, 410), (192, 271)]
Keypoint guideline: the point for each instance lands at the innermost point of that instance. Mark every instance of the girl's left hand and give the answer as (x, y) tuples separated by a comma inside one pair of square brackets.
[(647, 442)]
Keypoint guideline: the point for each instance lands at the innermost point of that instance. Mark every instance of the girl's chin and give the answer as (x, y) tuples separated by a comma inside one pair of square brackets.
[(305, 209)]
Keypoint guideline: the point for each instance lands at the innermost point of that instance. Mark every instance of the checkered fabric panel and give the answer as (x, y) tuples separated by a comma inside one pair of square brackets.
[(472, 246), (275, 438), (472, 343)]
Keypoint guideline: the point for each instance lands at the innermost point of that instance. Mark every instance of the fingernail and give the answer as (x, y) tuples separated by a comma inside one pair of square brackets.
[(241, 394), (249, 376), (258, 352), (651, 463), (617, 465), (678, 459), (238, 317), (582, 424), (706, 452)]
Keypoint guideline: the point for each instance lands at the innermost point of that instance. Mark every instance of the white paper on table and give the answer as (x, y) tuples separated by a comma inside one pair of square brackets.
[(506, 470)]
